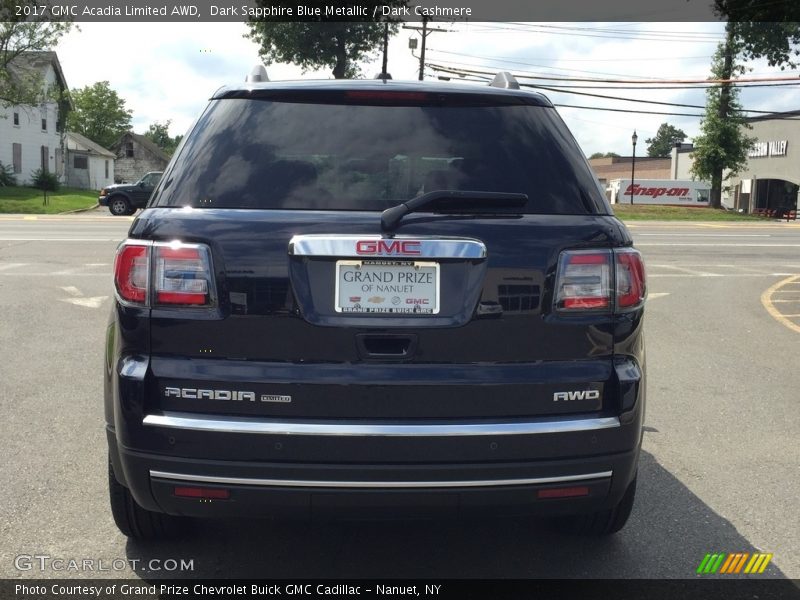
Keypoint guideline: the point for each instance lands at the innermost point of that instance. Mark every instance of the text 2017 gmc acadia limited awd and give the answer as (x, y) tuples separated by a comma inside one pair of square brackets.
[(348, 298)]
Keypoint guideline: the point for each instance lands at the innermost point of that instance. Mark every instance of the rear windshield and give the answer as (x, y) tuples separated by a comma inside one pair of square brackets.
[(261, 154)]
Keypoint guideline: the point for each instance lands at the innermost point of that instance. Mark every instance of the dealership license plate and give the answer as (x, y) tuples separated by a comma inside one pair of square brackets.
[(387, 287)]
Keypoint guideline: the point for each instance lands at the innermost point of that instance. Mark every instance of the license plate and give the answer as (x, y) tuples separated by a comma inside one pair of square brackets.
[(387, 287)]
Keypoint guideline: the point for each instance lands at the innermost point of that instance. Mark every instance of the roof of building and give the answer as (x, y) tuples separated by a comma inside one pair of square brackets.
[(39, 60), (146, 143), (91, 146)]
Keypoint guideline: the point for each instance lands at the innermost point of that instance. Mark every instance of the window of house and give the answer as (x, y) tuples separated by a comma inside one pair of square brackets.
[(129, 149), (80, 161), (16, 152), (16, 119), (45, 159), (106, 169), (44, 124)]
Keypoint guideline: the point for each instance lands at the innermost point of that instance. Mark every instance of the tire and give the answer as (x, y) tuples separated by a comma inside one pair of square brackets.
[(603, 522), (119, 206), (136, 522)]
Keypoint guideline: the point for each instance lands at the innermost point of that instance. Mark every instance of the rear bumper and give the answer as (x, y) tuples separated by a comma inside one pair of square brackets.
[(284, 466), (292, 490)]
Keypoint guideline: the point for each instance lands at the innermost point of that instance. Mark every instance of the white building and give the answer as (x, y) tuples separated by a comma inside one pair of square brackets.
[(88, 165), (30, 136)]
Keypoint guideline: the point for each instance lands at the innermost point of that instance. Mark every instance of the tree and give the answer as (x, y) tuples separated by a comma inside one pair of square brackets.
[(665, 139), (339, 44), (99, 114), (158, 133), (604, 155), (722, 143), (753, 30), (17, 36)]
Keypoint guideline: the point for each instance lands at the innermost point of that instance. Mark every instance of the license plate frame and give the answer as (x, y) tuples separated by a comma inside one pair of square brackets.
[(390, 298)]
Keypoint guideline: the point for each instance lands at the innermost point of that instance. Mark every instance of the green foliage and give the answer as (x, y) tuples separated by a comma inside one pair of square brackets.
[(604, 155), (158, 133), (25, 86), (44, 180), (7, 178), (339, 44), (99, 114), (722, 143), (664, 140), (769, 30)]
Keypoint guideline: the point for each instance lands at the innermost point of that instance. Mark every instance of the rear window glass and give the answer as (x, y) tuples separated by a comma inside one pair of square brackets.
[(261, 154)]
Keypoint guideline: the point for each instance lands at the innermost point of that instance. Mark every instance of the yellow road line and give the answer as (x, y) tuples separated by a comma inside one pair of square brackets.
[(766, 300)]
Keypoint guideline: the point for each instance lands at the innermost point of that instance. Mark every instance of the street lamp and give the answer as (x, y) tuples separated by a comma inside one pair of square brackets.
[(634, 137)]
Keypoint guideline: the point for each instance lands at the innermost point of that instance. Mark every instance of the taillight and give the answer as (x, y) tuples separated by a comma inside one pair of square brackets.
[(584, 280), (181, 276), (600, 280), (631, 280), (131, 272)]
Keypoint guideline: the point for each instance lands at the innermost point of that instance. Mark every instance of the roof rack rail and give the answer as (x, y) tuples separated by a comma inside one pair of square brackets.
[(506, 80), (257, 74)]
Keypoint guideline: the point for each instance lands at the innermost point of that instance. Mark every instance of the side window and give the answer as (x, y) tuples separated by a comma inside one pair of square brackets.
[(129, 149), (44, 124), (80, 162), (16, 119)]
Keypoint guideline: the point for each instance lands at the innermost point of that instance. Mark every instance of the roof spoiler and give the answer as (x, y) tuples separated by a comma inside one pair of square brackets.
[(506, 80)]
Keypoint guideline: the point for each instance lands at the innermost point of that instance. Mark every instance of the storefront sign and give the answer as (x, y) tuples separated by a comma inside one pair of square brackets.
[(775, 148)]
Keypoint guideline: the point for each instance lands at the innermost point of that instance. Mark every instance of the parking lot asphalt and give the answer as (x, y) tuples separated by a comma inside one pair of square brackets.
[(719, 470)]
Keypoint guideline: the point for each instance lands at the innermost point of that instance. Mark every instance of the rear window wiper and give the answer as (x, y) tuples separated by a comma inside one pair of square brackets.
[(452, 201)]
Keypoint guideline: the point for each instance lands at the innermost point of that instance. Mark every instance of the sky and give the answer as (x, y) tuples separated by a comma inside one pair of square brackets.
[(167, 71)]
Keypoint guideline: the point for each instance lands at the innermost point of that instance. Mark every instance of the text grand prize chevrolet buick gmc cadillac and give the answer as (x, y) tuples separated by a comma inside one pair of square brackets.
[(357, 296)]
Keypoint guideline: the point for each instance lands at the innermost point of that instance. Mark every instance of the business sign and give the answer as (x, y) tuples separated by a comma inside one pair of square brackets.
[(774, 148)]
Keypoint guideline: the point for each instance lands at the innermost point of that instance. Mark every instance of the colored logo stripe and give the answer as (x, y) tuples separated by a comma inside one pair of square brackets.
[(733, 563)]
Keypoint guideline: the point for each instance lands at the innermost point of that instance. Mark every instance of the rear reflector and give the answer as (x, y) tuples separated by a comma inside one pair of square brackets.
[(199, 492), (568, 492)]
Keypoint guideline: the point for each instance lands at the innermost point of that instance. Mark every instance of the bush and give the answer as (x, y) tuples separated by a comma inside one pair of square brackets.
[(44, 180), (7, 178)]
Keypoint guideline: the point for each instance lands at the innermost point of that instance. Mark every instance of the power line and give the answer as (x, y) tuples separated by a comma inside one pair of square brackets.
[(794, 78)]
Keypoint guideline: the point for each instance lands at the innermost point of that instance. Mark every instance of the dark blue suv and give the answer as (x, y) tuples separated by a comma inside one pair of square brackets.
[(375, 297)]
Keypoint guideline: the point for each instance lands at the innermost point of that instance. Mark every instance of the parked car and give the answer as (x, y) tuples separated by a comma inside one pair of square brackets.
[(125, 198), (376, 297)]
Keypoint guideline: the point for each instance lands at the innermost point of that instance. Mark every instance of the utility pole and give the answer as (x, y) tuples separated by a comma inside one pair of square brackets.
[(425, 33), (385, 68)]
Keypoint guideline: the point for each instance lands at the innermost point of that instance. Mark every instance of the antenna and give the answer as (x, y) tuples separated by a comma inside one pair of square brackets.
[(257, 74)]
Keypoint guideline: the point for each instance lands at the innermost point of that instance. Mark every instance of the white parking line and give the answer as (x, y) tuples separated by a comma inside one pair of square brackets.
[(7, 266), (685, 270), (704, 235)]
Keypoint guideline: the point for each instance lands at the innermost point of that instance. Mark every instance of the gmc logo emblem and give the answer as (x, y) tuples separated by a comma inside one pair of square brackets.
[(579, 395), (401, 247)]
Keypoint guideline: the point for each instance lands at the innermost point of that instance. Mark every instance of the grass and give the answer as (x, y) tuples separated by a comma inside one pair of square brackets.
[(641, 212), (29, 200)]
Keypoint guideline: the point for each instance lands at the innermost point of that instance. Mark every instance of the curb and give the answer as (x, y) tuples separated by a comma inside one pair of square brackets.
[(79, 210)]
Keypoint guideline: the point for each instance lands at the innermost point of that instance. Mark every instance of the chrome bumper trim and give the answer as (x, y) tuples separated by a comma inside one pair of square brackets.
[(222, 424), (369, 246), (209, 479)]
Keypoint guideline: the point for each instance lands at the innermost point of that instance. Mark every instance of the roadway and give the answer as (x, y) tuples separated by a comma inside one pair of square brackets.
[(719, 471)]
